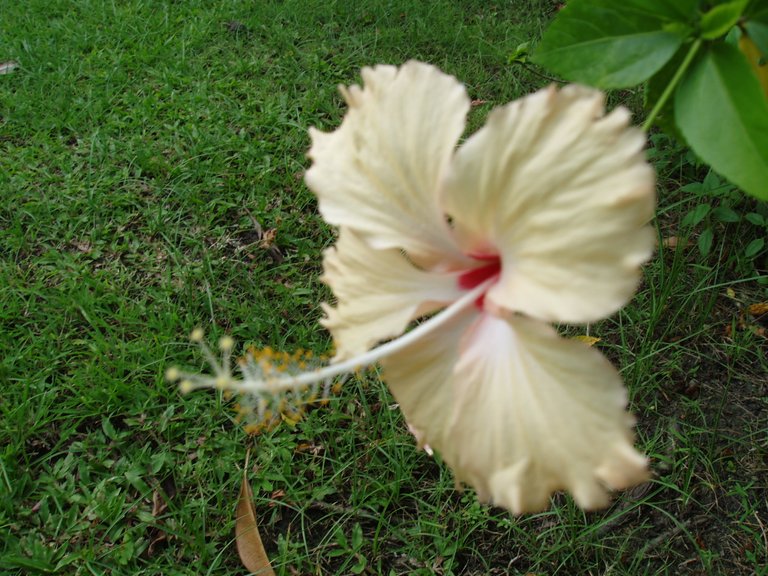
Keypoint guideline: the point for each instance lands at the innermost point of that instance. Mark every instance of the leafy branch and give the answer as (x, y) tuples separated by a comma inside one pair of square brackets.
[(703, 64)]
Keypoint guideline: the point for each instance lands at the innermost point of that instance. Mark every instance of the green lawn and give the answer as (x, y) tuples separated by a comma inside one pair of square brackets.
[(140, 143)]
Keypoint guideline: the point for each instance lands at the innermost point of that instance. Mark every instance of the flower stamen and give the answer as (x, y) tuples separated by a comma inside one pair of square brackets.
[(274, 385)]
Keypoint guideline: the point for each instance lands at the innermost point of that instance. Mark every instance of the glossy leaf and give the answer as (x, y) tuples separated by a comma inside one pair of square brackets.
[(756, 60), (757, 11), (609, 44), (721, 18), (754, 42), (723, 114), (758, 31), (667, 10)]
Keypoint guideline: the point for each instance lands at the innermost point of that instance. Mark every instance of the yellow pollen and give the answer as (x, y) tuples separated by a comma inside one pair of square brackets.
[(253, 429)]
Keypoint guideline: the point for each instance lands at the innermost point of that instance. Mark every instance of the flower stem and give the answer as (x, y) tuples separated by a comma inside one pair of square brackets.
[(672, 85)]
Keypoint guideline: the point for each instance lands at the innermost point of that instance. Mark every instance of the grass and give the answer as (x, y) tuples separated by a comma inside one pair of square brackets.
[(139, 140)]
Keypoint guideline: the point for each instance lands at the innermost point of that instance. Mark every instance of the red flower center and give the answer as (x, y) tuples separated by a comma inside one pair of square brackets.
[(477, 276)]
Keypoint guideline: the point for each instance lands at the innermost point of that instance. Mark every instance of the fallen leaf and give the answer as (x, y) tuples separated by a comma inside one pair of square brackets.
[(83, 246), (588, 340), (266, 239), (669, 242), (154, 542), (310, 447), (673, 242), (759, 312), (276, 494), (158, 503), (247, 537), (8, 67)]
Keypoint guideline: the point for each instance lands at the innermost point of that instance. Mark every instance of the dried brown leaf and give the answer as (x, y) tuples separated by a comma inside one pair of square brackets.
[(759, 309), (159, 504), (669, 242), (247, 537), (268, 239), (155, 542)]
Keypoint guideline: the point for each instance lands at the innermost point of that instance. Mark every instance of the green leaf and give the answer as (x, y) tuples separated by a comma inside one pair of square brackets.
[(756, 219), (693, 187), (39, 565), (712, 183), (705, 241), (359, 568), (357, 537), (670, 10), (723, 114), (757, 10), (733, 36), (758, 31), (754, 247), (696, 215), (109, 430), (342, 539), (520, 55), (609, 44), (725, 214), (134, 477), (721, 18)]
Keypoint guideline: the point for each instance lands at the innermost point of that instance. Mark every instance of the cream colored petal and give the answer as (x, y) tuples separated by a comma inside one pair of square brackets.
[(378, 173), (378, 292), (564, 194), (420, 378), (518, 412)]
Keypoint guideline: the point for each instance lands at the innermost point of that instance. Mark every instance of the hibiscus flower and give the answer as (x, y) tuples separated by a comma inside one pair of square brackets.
[(453, 261), (542, 213)]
